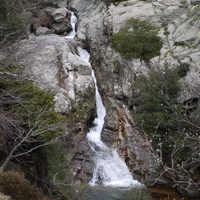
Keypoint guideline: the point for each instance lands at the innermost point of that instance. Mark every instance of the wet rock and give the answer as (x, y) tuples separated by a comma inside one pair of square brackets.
[(83, 147)]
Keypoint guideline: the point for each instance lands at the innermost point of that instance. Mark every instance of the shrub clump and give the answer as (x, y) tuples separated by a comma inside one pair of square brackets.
[(137, 39), (11, 22), (28, 118), (170, 124), (14, 184), (59, 174), (33, 107)]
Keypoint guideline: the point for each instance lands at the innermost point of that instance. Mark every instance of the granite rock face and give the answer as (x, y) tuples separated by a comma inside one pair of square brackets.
[(179, 24), (53, 64)]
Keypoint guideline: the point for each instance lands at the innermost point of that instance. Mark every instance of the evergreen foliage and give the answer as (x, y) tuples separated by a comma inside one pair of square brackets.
[(56, 154), (137, 39), (33, 107), (59, 170), (174, 133), (83, 110), (12, 24), (27, 117)]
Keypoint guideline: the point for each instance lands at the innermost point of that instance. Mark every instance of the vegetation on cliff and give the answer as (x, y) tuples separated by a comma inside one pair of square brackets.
[(29, 123), (14, 184), (169, 123), (137, 39), (27, 117), (11, 22), (59, 172)]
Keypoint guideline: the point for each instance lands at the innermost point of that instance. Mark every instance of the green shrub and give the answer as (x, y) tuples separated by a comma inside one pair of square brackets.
[(28, 118), (82, 109), (59, 172), (183, 69), (33, 107), (137, 39), (14, 184), (167, 122), (11, 21), (56, 154), (156, 108)]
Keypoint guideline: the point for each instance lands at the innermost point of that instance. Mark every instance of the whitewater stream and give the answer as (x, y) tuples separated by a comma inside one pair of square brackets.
[(110, 169), (73, 21)]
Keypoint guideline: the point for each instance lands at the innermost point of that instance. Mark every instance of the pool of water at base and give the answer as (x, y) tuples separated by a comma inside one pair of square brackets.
[(110, 193)]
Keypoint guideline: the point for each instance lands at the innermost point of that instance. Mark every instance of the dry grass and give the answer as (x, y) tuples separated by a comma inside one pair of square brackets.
[(14, 184)]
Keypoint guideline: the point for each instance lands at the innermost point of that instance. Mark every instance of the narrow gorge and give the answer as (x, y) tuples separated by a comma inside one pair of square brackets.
[(68, 50)]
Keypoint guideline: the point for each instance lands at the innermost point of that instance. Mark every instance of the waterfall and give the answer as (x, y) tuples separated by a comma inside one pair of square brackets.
[(110, 169), (73, 21)]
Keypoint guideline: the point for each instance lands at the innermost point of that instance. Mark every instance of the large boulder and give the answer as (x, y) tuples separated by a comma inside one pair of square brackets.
[(51, 17), (59, 14), (52, 65), (62, 27)]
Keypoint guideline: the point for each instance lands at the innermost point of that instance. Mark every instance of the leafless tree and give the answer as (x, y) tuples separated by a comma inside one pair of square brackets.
[(182, 171), (23, 133)]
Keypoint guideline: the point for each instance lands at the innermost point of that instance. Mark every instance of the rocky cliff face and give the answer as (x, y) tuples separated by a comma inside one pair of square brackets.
[(52, 62), (179, 24)]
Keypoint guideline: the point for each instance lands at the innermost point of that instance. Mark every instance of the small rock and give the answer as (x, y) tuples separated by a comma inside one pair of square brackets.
[(49, 10), (59, 14)]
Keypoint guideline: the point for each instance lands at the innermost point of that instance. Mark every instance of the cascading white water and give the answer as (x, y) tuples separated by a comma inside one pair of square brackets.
[(110, 169), (73, 21)]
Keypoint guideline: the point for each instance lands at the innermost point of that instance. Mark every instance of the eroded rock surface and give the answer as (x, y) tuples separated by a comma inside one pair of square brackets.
[(52, 62), (179, 25)]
